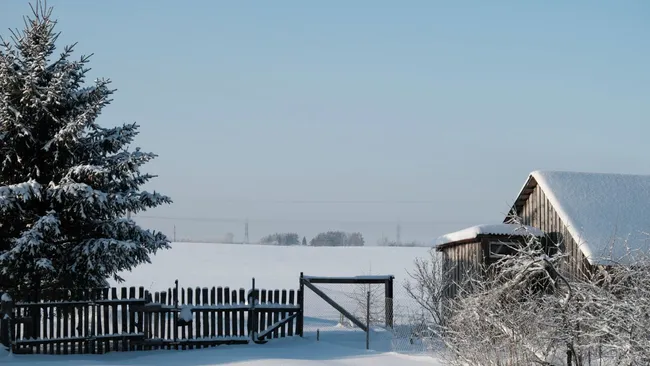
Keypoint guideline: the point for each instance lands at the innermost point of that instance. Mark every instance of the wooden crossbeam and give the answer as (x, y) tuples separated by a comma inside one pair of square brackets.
[(336, 306), (349, 280), (275, 326)]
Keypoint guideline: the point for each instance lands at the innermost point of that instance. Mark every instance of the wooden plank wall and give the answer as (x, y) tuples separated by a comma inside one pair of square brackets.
[(129, 319), (460, 262), (540, 213)]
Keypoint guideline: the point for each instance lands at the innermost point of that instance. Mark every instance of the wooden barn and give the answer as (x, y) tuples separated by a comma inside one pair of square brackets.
[(593, 217), (465, 252)]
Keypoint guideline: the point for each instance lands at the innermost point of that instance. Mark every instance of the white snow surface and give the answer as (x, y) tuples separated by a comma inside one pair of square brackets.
[(186, 313), (605, 213), (280, 352), (490, 229), (234, 265)]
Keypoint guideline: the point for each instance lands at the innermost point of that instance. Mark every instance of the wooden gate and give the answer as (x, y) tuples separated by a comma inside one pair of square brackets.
[(272, 314)]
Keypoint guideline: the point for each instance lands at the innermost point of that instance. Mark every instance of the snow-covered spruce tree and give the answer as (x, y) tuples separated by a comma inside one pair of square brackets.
[(66, 183)]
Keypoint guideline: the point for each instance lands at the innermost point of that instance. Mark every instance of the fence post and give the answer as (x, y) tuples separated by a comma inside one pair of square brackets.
[(6, 324), (35, 314), (176, 313), (389, 302), (300, 323), (368, 321), (252, 316)]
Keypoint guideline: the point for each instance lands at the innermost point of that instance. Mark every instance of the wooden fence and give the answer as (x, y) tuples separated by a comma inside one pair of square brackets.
[(130, 319)]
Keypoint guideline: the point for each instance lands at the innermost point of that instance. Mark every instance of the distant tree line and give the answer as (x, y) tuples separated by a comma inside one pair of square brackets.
[(281, 239), (326, 239), (337, 239)]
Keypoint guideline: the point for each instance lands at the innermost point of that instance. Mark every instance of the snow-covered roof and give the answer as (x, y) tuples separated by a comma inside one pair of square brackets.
[(494, 229), (600, 210)]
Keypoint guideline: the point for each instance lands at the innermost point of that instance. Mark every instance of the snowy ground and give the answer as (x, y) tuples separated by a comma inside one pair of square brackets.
[(294, 351), (207, 265), (279, 267)]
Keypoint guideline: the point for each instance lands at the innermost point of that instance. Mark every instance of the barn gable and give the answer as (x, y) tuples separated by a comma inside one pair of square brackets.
[(594, 215)]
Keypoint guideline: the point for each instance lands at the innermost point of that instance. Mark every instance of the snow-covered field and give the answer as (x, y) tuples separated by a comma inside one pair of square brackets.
[(274, 267), (234, 265), (279, 267)]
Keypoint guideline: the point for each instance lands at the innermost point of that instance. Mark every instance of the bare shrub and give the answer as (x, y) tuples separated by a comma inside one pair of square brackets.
[(426, 287), (525, 311), (359, 298)]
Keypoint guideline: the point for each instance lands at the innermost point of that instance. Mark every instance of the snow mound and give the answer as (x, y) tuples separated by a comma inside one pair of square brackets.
[(493, 229), (186, 313)]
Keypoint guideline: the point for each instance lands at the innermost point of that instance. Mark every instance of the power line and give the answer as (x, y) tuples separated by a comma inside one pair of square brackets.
[(333, 202), (315, 221)]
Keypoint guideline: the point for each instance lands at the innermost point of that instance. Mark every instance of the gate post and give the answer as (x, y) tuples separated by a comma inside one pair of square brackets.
[(388, 308), (300, 322), (6, 324), (252, 315)]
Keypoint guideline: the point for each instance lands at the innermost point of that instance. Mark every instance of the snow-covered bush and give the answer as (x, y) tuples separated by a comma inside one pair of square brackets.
[(66, 183), (527, 312)]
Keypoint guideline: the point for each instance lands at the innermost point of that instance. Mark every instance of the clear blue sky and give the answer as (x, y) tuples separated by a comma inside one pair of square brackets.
[(450, 104)]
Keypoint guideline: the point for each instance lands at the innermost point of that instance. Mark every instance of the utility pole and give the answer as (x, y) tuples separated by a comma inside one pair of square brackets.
[(399, 234), (246, 232), (174, 233)]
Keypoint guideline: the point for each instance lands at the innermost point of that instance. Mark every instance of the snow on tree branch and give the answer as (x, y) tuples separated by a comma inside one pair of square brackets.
[(12, 195), (27, 251)]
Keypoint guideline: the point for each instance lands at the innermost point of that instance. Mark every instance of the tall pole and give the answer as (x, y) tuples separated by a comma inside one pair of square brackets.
[(399, 234), (246, 232), (368, 322), (388, 294), (174, 233)]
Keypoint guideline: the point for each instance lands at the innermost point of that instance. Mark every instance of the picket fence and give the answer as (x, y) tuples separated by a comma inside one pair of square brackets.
[(133, 319)]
